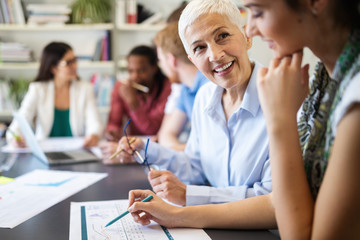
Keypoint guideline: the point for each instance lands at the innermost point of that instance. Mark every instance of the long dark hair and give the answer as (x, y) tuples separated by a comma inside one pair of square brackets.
[(150, 54), (51, 55), (344, 13)]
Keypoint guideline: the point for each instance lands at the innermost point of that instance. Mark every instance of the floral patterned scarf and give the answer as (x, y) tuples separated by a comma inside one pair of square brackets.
[(314, 126)]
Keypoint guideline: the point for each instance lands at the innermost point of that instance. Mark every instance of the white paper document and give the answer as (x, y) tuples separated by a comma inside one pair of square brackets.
[(56, 144), (88, 220), (38, 190)]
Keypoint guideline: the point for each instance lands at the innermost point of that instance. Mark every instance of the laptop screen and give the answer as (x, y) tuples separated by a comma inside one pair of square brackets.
[(30, 137)]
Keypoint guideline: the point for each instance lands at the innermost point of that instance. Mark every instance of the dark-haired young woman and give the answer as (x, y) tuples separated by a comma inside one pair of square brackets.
[(57, 102)]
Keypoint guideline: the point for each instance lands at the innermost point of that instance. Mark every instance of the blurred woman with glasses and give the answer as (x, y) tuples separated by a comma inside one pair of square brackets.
[(57, 102)]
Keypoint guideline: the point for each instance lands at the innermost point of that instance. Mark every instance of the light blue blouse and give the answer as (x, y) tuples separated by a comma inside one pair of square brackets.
[(229, 160)]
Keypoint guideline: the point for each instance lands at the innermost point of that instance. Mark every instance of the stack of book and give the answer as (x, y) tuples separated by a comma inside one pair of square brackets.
[(12, 12), (15, 52), (48, 13)]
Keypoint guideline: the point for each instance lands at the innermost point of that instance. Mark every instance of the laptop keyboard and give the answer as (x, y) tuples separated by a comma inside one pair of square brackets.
[(57, 156)]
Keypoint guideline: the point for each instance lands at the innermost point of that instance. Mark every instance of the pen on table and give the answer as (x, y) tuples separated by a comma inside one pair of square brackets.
[(148, 198), (17, 137), (121, 149)]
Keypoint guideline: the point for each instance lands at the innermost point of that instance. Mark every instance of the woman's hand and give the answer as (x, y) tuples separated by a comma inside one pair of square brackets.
[(282, 88), (91, 141), (168, 186), (18, 142), (107, 150), (126, 155), (156, 209)]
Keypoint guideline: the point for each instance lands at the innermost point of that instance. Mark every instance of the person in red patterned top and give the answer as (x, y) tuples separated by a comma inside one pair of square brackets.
[(141, 98)]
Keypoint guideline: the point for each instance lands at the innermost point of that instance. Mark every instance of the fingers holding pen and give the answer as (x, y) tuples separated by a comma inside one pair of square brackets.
[(124, 151), (156, 209), (135, 144), (140, 210)]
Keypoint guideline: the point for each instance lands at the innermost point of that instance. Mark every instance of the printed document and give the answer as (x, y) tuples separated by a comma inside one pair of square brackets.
[(38, 190), (88, 220), (56, 144)]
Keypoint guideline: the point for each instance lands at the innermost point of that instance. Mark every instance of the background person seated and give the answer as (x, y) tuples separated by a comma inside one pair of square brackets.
[(179, 69), (59, 103), (145, 109)]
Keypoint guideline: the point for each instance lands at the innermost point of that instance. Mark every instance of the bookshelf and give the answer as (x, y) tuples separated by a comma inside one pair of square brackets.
[(82, 37), (66, 27)]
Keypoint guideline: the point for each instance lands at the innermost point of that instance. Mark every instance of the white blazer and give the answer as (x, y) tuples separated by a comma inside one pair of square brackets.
[(38, 108)]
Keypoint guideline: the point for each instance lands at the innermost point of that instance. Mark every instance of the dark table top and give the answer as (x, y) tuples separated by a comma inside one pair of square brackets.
[(53, 223)]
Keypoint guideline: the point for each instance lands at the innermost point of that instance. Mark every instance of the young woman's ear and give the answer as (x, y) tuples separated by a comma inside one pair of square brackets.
[(53, 70), (317, 6), (172, 60)]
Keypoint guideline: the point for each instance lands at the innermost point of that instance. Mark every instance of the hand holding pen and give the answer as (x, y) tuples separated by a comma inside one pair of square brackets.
[(125, 152), (156, 210), (148, 198), (17, 141)]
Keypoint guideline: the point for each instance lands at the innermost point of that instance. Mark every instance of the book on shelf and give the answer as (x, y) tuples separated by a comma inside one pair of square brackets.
[(18, 12), (12, 12), (104, 48), (120, 16), (97, 52), (103, 86), (5, 11), (2, 19), (131, 11), (102, 51)]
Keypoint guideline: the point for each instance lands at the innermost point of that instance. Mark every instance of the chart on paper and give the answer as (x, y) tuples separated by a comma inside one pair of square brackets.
[(88, 220), (38, 190)]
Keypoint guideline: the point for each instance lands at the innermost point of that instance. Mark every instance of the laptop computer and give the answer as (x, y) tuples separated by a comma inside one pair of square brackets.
[(52, 158)]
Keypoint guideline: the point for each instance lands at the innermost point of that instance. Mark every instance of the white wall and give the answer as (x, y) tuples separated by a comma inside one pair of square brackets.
[(263, 54)]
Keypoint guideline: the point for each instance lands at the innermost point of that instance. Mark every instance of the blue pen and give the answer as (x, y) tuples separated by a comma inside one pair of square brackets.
[(148, 198)]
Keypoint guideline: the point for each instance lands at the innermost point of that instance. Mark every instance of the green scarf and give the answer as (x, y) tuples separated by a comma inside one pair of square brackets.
[(314, 126)]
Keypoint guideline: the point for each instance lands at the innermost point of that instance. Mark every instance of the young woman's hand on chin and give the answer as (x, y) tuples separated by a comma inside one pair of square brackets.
[(282, 88)]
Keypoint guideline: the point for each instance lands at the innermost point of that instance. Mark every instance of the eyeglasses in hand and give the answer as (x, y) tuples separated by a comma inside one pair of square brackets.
[(137, 155)]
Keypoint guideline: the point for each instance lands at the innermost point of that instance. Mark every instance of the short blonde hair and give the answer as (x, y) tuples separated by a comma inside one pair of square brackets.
[(169, 41), (196, 8)]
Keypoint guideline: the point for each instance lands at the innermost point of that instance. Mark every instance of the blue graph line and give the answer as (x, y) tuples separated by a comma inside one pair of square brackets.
[(55, 184)]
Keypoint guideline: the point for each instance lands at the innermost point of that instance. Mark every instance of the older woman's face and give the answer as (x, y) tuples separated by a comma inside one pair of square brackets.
[(219, 50)]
